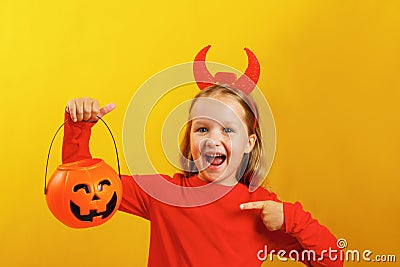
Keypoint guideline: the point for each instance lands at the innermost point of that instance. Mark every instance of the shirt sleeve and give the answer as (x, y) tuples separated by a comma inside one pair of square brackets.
[(76, 147), (76, 140), (303, 238), (318, 246), (134, 200)]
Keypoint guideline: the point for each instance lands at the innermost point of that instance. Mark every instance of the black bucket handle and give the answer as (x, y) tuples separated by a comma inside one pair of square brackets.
[(54, 137)]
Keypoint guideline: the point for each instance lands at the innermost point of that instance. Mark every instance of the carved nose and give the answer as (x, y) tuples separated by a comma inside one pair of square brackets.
[(95, 197)]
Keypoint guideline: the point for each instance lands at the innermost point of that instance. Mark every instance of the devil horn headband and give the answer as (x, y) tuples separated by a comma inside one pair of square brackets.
[(245, 83)]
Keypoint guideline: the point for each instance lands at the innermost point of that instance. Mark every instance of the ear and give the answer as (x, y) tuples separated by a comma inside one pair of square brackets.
[(251, 141)]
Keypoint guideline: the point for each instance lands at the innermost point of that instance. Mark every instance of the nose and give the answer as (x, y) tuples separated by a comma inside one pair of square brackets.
[(213, 139), (207, 145), (209, 142)]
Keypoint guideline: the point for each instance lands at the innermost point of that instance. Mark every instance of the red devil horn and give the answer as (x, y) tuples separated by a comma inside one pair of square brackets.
[(202, 76), (249, 79)]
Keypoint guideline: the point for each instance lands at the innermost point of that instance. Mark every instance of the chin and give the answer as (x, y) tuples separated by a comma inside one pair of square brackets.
[(219, 178), (207, 177)]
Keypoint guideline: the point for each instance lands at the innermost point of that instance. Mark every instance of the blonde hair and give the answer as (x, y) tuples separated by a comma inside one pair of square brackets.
[(252, 165)]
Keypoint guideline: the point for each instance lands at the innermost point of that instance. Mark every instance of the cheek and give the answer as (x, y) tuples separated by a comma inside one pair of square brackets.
[(194, 145), (238, 142), (238, 146)]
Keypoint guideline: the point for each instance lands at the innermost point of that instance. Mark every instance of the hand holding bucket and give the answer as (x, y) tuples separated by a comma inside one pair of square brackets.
[(87, 192)]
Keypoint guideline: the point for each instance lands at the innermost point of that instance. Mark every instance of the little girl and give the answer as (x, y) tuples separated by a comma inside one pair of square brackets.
[(221, 146)]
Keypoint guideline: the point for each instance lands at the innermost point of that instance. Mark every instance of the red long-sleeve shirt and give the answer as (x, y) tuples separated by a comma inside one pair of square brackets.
[(215, 234)]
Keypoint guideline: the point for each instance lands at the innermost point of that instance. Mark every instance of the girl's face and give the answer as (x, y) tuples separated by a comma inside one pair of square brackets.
[(219, 138)]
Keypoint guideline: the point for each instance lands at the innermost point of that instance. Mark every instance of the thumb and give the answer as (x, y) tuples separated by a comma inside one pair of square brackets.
[(106, 109), (252, 205)]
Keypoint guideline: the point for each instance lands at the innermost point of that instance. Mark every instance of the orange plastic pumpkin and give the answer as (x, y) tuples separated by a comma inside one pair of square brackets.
[(84, 193)]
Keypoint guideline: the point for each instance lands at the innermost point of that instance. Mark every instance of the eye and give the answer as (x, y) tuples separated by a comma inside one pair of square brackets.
[(102, 183), (202, 130), (228, 130), (82, 186)]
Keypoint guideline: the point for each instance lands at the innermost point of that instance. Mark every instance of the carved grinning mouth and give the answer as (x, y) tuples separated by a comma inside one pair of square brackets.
[(76, 210)]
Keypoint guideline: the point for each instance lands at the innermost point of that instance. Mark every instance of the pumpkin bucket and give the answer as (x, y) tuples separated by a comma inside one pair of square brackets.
[(83, 193)]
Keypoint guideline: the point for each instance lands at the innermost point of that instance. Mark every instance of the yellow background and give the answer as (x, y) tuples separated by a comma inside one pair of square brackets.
[(330, 71)]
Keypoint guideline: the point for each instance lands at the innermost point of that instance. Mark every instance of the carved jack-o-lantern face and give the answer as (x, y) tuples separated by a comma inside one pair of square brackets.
[(84, 193), (93, 200)]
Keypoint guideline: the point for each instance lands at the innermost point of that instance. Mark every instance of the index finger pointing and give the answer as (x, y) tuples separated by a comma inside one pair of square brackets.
[(252, 205)]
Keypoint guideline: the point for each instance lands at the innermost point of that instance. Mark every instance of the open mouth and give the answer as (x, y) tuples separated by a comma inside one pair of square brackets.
[(215, 159), (93, 213)]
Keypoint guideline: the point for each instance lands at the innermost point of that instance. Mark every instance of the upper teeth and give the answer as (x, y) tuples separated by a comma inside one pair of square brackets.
[(214, 155)]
